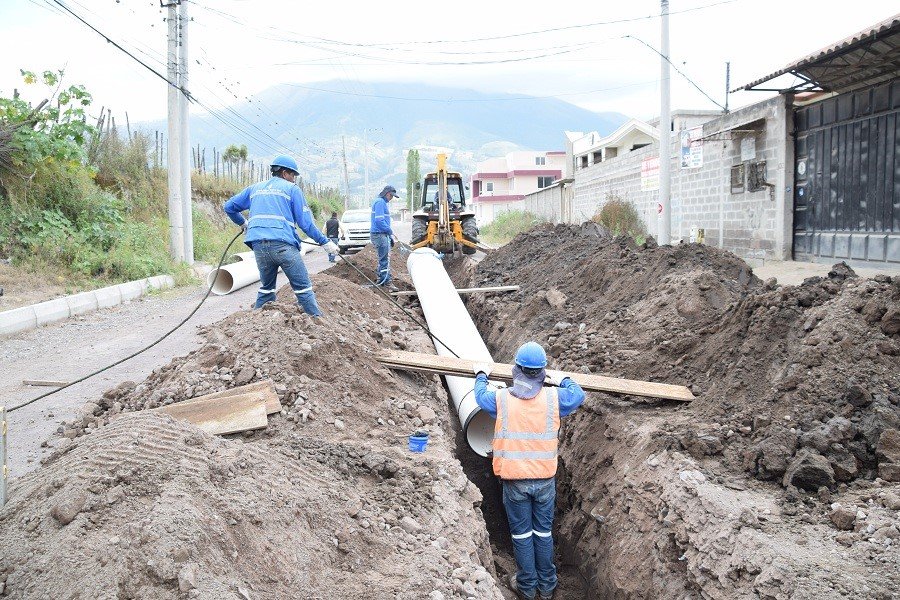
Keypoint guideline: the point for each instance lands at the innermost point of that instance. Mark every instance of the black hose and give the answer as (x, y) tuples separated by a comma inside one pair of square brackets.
[(202, 300), (130, 356)]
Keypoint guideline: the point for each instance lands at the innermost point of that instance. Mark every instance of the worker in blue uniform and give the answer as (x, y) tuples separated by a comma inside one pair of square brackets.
[(276, 206), (382, 235)]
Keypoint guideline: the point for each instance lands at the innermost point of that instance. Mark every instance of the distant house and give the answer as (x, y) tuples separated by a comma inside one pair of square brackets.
[(591, 149), (500, 184)]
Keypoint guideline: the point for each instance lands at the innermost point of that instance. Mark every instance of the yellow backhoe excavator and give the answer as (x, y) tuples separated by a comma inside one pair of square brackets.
[(443, 222)]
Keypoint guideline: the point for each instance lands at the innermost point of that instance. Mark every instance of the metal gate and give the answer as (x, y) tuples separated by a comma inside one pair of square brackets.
[(847, 177)]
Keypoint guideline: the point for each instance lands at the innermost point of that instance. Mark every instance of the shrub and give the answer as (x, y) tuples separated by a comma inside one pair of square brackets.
[(620, 217)]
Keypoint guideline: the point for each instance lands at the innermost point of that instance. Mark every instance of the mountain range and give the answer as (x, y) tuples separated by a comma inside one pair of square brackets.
[(315, 121)]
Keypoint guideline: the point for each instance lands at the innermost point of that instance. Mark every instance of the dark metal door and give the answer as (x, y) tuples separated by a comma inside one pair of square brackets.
[(847, 177)]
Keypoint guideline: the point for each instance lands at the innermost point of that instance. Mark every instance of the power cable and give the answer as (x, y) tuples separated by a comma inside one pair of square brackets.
[(144, 349), (677, 70)]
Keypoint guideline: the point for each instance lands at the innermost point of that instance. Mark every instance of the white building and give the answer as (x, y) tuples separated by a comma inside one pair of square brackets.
[(500, 184)]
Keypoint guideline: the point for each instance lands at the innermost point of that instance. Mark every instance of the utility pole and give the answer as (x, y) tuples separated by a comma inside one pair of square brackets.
[(184, 114), (176, 214), (346, 176), (366, 160), (727, 84), (665, 128)]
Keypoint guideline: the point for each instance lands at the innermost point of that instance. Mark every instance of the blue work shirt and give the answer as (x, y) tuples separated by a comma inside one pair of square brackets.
[(569, 393), (275, 207), (381, 217)]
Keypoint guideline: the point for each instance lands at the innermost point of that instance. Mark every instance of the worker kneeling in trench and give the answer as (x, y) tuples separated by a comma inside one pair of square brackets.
[(526, 440)]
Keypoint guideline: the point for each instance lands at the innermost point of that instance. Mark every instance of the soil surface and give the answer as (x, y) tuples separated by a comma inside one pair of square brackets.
[(325, 502), (779, 480), (21, 288)]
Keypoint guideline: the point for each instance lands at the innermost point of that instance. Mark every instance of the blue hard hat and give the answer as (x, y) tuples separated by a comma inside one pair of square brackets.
[(531, 355), (286, 162)]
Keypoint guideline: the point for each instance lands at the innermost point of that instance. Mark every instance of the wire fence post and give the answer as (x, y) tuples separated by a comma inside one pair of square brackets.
[(4, 469)]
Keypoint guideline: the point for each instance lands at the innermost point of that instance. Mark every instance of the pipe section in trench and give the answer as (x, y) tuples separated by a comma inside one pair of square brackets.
[(230, 278), (449, 321)]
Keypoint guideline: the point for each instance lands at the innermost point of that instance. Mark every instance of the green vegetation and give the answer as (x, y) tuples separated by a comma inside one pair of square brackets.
[(83, 201), (620, 217), (508, 225)]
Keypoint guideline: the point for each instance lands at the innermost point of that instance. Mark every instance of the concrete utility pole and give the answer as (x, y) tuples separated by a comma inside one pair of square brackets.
[(184, 114), (176, 215), (665, 129), (366, 160), (346, 176)]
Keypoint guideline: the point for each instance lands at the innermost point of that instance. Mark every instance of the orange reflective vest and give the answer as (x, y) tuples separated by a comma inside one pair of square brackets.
[(526, 435)]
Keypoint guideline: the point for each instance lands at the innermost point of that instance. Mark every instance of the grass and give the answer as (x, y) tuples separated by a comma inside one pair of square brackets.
[(508, 225)]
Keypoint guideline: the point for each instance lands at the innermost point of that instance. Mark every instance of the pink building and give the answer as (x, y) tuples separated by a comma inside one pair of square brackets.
[(500, 184)]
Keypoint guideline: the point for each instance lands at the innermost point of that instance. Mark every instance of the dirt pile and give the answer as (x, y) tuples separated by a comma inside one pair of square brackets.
[(797, 391), (325, 502)]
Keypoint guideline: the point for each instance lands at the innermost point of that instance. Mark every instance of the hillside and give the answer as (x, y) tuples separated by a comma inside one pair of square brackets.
[(472, 124)]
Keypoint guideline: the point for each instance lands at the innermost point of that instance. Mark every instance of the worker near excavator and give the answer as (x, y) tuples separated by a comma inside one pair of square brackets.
[(525, 459), (382, 235), (276, 206)]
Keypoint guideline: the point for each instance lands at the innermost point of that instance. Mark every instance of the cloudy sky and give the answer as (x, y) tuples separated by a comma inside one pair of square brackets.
[(578, 51)]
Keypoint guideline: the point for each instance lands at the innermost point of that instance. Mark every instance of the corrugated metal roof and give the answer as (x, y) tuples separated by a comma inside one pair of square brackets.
[(868, 57)]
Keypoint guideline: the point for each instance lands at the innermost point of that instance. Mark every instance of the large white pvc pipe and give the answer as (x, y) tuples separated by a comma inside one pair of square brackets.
[(449, 320), (233, 277)]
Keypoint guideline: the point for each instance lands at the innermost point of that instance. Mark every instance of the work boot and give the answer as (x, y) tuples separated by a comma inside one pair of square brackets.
[(549, 596), (514, 586)]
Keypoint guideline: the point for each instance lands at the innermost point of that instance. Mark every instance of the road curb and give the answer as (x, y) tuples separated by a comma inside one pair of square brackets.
[(53, 311)]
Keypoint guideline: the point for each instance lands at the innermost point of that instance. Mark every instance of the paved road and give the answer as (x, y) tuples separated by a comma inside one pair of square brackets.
[(790, 272), (73, 348)]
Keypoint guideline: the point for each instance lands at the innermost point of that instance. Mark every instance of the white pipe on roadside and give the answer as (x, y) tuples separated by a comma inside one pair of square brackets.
[(235, 276), (229, 278), (449, 320)]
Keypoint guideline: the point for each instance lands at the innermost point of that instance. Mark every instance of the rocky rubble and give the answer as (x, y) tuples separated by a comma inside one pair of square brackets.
[(796, 409), (325, 502)]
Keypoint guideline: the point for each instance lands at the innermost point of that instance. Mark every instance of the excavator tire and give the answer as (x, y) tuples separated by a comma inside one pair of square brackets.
[(419, 230), (470, 232)]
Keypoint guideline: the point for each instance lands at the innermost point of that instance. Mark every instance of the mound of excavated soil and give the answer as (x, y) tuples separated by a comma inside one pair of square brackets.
[(797, 407), (459, 267), (325, 502)]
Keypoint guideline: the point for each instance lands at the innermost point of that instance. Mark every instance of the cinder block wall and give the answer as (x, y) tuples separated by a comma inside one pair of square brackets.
[(754, 225)]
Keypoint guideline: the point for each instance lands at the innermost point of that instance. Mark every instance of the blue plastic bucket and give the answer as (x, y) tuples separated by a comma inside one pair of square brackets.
[(418, 442)]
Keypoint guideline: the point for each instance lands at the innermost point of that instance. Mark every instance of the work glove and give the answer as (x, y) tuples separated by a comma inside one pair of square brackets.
[(392, 241), (555, 378), (482, 368), (331, 248), (244, 226)]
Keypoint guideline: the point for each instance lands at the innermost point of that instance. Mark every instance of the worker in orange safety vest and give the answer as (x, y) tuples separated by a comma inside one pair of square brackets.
[(526, 439)]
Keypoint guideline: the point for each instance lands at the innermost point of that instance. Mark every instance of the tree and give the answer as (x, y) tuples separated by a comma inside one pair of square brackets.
[(413, 175), (235, 155)]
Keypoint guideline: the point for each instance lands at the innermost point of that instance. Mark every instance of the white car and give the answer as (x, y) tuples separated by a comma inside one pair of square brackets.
[(354, 229)]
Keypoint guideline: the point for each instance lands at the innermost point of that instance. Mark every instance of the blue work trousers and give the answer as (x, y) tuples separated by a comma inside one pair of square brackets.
[(382, 243), (332, 257), (272, 254), (529, 505)]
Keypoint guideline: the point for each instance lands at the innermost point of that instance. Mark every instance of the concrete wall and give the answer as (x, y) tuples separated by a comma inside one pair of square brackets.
[(754, 225), (553, 203)]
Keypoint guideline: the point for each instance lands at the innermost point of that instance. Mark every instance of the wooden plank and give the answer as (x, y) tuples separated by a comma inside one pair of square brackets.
[(448, 365), (44, 382), (499, 288), (264, 389), (221, 416)]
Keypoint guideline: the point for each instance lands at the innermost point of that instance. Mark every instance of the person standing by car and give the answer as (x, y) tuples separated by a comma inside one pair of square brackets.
[(275, 207), (331, 232), (382, 235)]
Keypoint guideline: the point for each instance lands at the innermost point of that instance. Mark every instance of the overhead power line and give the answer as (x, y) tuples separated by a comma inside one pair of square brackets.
[(677, 70), (273, 145)]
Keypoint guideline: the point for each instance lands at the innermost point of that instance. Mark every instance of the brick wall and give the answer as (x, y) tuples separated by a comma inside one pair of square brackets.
[(754, 225)]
